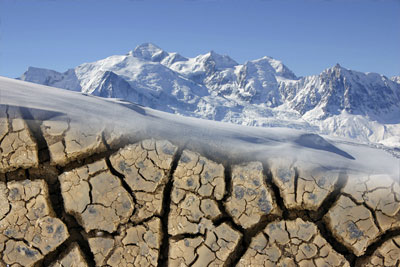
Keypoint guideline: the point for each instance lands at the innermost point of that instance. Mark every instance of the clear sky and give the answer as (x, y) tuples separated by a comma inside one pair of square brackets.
[(307, 35)]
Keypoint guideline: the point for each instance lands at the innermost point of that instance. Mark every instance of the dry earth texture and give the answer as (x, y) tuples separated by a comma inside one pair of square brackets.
[(73, 195)]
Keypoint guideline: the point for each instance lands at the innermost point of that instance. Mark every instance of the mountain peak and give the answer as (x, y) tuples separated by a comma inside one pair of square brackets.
[(149, 51), (147, 47), (263, 60), (214, 54), (40, 75), (280, 69), (395, 79), (261, 92), (267, 58), (221, 61), (337, 69)]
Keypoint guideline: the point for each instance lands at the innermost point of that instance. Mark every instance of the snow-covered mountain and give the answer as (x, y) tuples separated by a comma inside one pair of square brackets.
[(396, 79), (262, 92)]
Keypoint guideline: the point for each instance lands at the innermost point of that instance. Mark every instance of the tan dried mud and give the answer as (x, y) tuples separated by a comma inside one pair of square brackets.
[(97, 199)]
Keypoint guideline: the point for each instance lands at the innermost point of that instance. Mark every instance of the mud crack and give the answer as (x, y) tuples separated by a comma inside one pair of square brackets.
[(164, 248)]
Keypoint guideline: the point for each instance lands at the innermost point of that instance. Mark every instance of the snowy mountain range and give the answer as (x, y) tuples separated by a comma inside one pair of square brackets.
[(262, 92)]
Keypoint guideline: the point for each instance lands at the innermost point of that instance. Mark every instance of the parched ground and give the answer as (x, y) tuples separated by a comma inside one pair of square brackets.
[(73, 195)]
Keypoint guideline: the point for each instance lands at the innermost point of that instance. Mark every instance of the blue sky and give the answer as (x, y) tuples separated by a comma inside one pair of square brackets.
[(307, 35)]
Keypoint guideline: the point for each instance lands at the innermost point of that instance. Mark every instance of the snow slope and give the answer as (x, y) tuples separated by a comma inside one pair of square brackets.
[(215, 139), (263, 92), (396, 79)]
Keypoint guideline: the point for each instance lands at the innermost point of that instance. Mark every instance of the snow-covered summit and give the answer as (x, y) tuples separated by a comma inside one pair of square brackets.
[(66, 80), (280, 69), (41, 75), (149, 51), (261, 92), (338, 89), (199, 67), (396, 79), (219, 61)]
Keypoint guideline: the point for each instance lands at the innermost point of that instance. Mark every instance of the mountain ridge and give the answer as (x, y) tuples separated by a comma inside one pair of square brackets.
[(261, 92)]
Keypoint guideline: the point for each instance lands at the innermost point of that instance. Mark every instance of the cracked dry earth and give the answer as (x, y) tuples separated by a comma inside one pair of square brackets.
[(73, 195)]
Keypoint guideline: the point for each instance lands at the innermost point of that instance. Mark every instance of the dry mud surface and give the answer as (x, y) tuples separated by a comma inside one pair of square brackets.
[(73, 195)]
